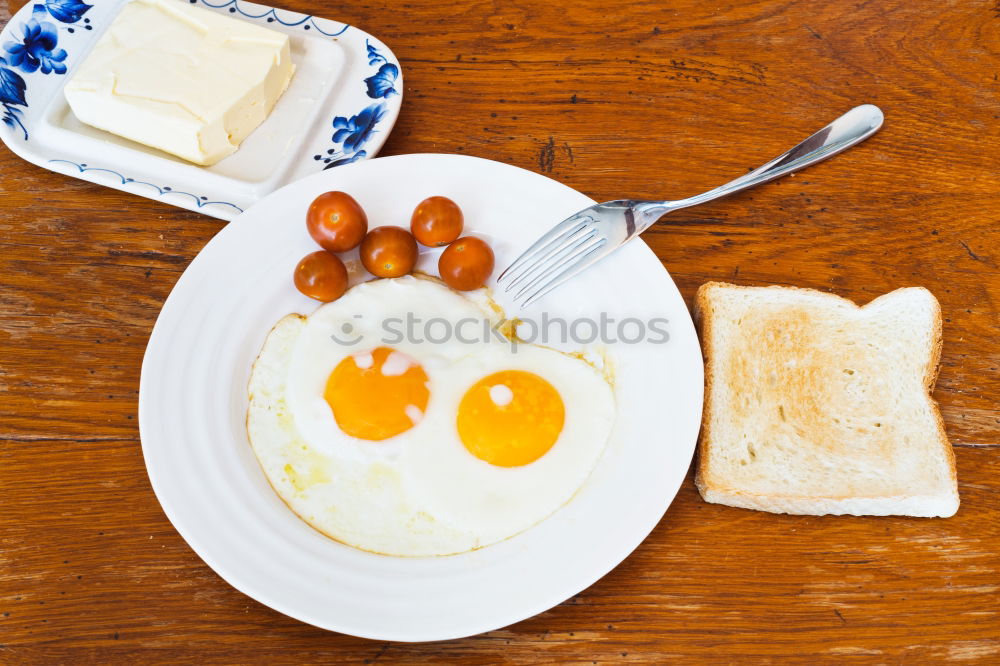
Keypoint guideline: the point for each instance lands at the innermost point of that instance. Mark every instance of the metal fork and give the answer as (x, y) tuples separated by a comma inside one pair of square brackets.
[(590, 235)]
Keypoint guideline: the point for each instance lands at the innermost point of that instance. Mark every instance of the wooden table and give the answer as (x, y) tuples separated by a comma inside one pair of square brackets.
[(615, 98)]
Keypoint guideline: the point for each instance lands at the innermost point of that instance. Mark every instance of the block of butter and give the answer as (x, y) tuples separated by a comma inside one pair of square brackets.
[(182, 79)]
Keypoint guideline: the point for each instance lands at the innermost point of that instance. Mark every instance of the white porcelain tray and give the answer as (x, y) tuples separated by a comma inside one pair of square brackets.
[(339, 108)]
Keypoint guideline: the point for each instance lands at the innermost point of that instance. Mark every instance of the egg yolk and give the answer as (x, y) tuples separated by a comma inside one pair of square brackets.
[(378, 394), (510, 418)]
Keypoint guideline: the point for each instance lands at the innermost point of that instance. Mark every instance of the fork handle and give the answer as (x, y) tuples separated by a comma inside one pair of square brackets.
[(851, 128)]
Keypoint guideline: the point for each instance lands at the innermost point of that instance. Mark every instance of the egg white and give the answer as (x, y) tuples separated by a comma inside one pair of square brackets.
[(495, 502), (421, 492)]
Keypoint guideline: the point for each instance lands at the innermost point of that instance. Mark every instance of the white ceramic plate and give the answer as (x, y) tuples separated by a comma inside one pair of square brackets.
[(193, 401), (342, 102)]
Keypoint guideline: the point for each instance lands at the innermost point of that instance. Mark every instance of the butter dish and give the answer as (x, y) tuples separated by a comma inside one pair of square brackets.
[(341, 103)]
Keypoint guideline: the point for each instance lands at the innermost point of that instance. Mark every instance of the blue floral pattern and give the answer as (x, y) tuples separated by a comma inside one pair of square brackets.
[(360, 155), (12, 89), (383, 82), (66, 11), (12, 86), (38, 50), (355, 131), (351, 134)]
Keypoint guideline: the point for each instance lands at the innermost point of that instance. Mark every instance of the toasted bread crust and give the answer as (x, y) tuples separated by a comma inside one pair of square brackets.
[(713, 490), (931, 375), (703, 324)]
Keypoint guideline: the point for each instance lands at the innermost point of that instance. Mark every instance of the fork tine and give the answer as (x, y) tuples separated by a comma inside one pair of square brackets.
[(568, 226), (555, 253), (565, 262), (582, 262), (543, 268)]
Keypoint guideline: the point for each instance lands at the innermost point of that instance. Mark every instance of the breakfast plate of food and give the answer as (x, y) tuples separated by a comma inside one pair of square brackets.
[(204, 104), (348, 421)]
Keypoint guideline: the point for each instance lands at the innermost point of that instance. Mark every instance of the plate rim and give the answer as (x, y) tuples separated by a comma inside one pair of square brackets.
[(262, 596)]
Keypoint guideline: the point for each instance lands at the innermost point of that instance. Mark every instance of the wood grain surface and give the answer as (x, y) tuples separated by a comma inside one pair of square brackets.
[(615, 98)]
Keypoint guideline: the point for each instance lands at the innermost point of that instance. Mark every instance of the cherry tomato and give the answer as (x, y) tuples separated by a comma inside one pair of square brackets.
[(436, 221), (322, 276), (336, 221), (466, 264), (388, 252)]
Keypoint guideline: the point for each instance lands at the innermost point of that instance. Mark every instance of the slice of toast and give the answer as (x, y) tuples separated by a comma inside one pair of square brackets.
[(814, 405)]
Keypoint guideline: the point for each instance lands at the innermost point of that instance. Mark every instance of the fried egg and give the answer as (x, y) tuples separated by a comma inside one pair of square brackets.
[(431, 437)]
